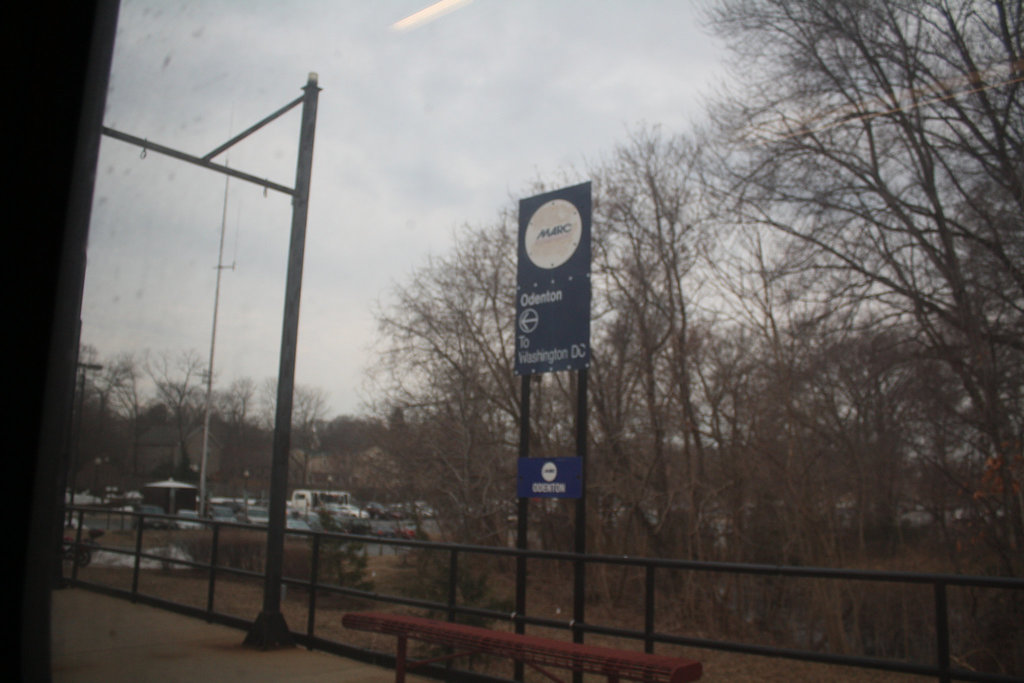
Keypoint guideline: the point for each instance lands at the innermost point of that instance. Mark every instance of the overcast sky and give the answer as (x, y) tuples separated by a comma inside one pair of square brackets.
[(418, 132)]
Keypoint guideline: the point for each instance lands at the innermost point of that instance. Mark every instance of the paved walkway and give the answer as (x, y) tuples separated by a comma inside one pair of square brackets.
[(96, 638)]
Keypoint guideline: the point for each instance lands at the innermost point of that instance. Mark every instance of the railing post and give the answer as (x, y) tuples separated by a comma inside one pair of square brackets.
[(453, 593), (76, 545), (215, 544), (400, 652), (314, 578), (453, 582), (649, 609), (140, 521), (942, 631)]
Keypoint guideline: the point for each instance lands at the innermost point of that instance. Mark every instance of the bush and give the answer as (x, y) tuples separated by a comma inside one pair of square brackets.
[(342, 562), (472, 588)]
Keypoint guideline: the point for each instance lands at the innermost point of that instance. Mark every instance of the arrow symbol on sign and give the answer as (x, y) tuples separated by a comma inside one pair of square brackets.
[(528, 320)]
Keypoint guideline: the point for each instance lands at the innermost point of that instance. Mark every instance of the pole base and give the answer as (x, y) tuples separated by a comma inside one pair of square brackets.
[(269, 631)]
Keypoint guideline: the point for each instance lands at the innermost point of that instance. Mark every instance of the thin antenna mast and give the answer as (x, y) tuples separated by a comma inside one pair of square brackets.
[(202, 506)]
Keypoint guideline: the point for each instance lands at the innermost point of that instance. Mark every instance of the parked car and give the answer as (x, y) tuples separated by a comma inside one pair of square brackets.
[(375, 510), (222, 513), (295, 520), (149, 522), (397, 531), (258, 515), (188, 519), (423, 510), (417, 510), (347, 510), (397, 511)]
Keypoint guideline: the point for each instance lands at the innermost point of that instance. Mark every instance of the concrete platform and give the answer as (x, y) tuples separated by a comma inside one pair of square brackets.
[(100, 639)]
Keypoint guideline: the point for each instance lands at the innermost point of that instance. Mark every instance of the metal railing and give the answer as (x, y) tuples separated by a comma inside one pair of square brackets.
[(942, 668)]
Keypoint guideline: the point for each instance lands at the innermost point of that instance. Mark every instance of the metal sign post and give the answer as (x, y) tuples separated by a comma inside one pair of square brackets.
[(553, 334)]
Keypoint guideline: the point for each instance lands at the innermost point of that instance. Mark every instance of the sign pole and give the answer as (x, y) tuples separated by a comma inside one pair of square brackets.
[(553, 335), (579, 567), (521, 525)]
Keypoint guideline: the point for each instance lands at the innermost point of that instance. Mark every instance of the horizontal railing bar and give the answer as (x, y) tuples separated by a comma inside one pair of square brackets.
[(662, 563), (706, 566)]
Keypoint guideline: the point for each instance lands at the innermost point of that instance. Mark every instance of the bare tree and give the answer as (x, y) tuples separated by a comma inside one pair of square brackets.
[(237, 401), (309, 411), (246, 444), (120, 397), (448, 365), (178, 379), (887, 141), (649, 231), (308, 414)]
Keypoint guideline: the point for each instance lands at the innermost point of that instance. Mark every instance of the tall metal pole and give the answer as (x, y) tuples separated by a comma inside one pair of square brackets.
[(269, 629), (522, 528), (579, 566)]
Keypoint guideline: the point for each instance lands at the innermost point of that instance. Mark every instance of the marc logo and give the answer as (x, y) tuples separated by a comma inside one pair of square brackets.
[(556, 230), (553, 233)]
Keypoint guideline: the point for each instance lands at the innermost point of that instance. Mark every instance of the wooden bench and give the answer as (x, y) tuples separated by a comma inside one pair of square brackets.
[(533, 651)]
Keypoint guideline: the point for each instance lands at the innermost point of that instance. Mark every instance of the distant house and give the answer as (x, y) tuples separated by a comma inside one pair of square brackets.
[(194, 443), (325, 469), (371, 467), (161, 450)]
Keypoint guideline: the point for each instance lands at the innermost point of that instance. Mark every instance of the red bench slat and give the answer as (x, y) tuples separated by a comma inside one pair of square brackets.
[(531, 649)]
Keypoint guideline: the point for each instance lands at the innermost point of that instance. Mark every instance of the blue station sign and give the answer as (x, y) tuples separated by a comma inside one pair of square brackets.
[(550, 478), (553, 282)]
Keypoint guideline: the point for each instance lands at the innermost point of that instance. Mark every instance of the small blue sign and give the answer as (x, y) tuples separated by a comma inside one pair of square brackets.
[(550, 478)]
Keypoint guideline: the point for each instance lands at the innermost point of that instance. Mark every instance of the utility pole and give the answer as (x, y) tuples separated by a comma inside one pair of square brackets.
[(270, 629), (77, 439)]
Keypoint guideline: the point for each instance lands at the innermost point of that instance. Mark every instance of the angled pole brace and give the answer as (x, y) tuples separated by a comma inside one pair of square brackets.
[(205, 161), (252, 129)]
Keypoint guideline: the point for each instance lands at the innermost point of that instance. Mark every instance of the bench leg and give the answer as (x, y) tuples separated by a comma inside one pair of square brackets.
[(400, 660)]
